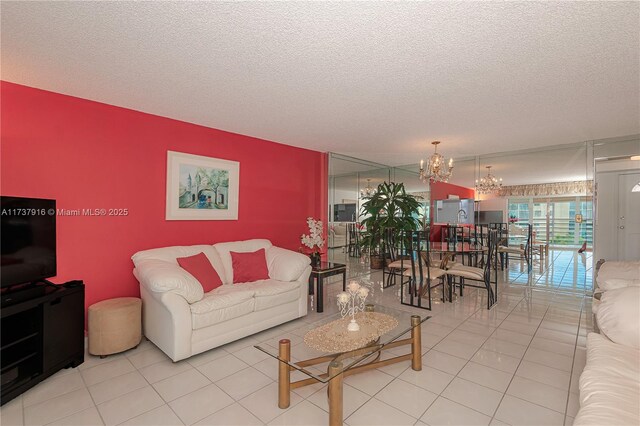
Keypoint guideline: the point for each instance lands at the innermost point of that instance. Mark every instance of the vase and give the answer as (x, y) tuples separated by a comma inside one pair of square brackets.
[(315, 259), (376, 262)]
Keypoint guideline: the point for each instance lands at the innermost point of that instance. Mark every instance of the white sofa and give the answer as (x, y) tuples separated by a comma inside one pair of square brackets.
[(610, 381), (183, 321), (337, 234)]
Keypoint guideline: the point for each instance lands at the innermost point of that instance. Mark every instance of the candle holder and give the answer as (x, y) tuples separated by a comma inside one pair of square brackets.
[(351, 302)]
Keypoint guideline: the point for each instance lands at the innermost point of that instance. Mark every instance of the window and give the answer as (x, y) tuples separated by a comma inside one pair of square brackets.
[(519, 211), (554, 219)]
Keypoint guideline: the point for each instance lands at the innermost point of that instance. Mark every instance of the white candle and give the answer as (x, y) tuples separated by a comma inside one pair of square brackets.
[(450, 162), (353, 286), (421, 163)]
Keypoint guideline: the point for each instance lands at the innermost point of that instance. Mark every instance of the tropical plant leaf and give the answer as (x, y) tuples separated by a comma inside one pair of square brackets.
[(390, 207)]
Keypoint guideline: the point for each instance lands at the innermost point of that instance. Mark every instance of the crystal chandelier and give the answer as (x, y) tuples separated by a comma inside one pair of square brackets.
[(489, 183), (437, 169), (368, 191)]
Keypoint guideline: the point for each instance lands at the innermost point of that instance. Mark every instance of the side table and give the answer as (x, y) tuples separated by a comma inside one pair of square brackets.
[(319, 273)]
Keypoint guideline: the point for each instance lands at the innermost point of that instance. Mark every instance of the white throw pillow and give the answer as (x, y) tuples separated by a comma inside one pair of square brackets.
[(618, 316), (616, 283), (161, 276), (286, 265), (617, 270)]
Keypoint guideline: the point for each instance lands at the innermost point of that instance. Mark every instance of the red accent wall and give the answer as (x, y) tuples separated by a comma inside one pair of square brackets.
[(441, 191), (86, 154)]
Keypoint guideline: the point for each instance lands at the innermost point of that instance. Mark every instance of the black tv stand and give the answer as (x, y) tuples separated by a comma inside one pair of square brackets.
[(42, 332)]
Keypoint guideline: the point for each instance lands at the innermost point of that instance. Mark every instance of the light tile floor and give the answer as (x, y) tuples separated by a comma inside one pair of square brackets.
[(516, 364)]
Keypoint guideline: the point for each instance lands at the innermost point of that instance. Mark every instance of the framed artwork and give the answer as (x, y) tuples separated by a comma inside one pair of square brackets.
[(201, 188)]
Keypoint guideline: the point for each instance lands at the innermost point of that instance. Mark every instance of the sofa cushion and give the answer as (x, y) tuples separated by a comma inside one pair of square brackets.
[(222, 304), (270, 293), (612, 358), (608, 400), (286, 265), (249, 267), (224, 251), (200, 267), (609, 384), (618, 316)]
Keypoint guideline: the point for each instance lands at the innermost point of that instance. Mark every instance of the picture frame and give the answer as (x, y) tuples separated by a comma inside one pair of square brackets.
[(201, 188)]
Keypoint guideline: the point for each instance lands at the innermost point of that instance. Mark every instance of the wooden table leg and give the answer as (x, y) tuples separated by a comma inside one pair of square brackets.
[(416, 343), (284, 374), (335, 393), (311, 278), (344, 280)]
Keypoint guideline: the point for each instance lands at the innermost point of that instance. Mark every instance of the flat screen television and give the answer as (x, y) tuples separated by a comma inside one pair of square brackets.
[(28, 240)]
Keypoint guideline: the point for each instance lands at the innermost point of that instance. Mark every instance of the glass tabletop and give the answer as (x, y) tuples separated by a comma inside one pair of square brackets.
[(328, 348), (327, 266), (463, 247)]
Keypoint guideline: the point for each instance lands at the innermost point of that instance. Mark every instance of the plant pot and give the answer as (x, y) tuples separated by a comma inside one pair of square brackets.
[(376, 262), (315, 259)]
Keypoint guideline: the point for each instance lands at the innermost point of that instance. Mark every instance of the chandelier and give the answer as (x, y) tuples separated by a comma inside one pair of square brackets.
[(368, 191), (489, 183), (437, 170)]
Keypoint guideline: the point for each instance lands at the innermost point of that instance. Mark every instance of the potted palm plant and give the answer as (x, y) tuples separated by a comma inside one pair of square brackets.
[(390, 207)]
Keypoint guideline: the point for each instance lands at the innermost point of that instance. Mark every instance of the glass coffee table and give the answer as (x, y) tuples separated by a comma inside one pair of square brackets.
[(329, 346)]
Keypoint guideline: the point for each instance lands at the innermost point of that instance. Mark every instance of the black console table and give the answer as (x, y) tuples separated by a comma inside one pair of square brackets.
[(319, 273), (42, 333)]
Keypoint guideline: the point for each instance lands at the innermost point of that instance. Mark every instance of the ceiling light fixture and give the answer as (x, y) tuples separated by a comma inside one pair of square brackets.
[(488, 184), (368, 191), (437, 169)]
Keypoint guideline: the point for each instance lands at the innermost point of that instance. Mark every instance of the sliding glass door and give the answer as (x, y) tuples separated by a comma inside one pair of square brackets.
[(562, 221)]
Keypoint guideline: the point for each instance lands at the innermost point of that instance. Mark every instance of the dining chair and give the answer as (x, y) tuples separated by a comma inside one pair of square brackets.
[(479, 238), (478, 275), (452, 234), (353, 239), (503, 239), (423, 276), (394, 260), (520, 251)]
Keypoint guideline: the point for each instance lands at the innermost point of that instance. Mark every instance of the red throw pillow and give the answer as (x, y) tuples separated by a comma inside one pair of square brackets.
[(249, 267), (200, 267)]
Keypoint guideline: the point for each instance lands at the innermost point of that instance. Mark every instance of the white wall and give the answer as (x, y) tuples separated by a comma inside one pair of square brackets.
[(606, 200), (606, 216)]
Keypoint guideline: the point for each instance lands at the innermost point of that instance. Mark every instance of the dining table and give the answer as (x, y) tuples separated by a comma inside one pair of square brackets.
[(456, 248), (449, 250)]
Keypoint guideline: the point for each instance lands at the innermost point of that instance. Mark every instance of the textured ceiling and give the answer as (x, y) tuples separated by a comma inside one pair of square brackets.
[(371, 80)]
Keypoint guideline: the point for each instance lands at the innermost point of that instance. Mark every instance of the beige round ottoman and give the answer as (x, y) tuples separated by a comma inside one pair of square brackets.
[(115, 325)]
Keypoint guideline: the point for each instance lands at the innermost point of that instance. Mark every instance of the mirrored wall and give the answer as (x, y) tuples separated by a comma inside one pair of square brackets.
[(351, 180), (551, 188)]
